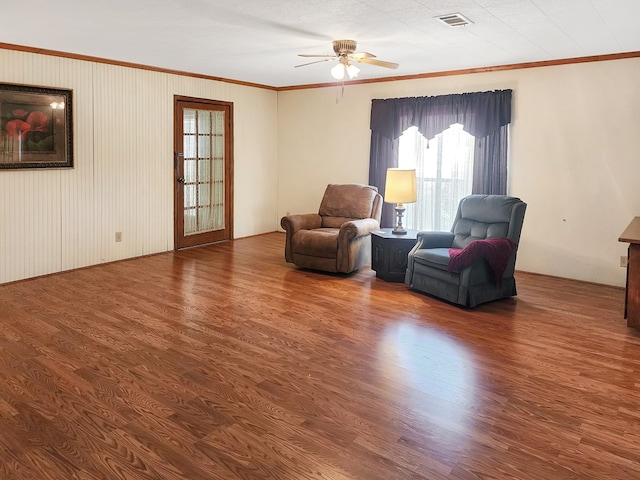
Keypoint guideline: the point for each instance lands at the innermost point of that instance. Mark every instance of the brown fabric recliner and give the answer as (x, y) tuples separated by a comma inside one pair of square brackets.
[(338, 237)]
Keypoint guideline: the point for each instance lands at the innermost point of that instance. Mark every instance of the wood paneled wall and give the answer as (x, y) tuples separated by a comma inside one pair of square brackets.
[(55, 220)]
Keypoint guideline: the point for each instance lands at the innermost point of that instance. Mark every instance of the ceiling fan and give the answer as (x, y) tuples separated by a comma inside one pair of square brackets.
[(345, 54)]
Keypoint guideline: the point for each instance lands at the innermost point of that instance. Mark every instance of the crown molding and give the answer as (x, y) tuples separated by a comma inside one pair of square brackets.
[(139, 66), (465, 71)]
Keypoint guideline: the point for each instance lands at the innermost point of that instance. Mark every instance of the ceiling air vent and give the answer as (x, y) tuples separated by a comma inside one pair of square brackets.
[(454, 20)]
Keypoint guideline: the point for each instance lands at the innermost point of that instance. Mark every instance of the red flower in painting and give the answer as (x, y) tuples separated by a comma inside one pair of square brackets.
[(20, 113), (18, 128), (39, 121)]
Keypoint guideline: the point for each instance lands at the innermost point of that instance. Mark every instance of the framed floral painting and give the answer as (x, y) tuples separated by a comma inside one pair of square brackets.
[(36, 129)]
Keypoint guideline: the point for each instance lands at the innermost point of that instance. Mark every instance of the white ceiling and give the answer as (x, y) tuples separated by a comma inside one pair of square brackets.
[(257, 40)]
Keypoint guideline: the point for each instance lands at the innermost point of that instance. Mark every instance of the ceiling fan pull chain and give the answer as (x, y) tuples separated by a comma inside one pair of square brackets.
[(339, 91)]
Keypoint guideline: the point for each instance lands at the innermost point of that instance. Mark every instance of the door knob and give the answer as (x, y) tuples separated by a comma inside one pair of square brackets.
[(181, 180)]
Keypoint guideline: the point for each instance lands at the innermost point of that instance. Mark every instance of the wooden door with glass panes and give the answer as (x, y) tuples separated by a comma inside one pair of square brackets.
[(203, 171)]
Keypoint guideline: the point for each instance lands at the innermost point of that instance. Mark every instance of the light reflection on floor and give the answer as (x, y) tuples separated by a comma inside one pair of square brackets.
[(436, 377)]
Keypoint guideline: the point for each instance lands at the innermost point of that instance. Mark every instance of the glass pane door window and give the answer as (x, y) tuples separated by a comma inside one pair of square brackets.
[(204, 161)]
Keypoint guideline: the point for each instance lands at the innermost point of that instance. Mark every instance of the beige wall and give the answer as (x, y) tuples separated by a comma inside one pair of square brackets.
[(575, 139), (55, 220)]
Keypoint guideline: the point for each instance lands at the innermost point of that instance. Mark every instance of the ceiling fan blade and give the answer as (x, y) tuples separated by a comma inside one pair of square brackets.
[(379, 63), (314, 55), (357, 55), (311, 63)]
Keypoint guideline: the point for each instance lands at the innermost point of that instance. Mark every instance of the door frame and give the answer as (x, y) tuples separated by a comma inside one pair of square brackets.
[(178, 189)]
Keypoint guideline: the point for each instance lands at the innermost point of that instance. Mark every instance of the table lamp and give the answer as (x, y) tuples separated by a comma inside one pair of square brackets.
[(400, 188)]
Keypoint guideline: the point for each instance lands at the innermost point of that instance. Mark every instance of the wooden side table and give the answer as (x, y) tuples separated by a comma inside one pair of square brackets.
[(631, 235), (389, 253)]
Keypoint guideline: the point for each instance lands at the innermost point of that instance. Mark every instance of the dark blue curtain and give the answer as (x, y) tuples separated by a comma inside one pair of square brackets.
[(485, 115)]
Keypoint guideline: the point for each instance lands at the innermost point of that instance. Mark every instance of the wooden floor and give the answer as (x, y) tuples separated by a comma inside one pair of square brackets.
[(224, 362)]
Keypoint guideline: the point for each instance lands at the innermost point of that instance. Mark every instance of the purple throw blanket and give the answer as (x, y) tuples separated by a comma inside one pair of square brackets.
[(496, 251)]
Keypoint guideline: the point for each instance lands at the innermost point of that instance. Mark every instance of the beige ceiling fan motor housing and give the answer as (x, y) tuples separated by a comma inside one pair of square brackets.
[(344, 47)]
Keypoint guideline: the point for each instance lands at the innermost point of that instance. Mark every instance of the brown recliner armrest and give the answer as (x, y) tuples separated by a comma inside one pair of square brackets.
[(353, 239), (292, 223), (307, 221), (356, 228)]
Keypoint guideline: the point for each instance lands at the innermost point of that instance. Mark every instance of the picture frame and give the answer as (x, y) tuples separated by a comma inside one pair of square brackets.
[(36, 127)]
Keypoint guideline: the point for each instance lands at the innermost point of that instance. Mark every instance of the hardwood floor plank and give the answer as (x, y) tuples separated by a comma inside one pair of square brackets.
[(224, 362)]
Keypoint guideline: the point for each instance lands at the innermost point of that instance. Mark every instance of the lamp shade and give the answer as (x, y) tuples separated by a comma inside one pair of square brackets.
[(337, 72), (352, 70), (400, 186)]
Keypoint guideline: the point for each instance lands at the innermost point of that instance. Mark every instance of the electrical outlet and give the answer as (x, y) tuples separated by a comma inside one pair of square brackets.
[(118, 236), (623, 261)]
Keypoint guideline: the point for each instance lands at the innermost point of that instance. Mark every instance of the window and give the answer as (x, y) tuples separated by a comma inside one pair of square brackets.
[(485, 116), (444, 175)]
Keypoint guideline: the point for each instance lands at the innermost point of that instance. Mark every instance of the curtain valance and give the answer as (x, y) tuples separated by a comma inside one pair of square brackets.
[(480, 113)]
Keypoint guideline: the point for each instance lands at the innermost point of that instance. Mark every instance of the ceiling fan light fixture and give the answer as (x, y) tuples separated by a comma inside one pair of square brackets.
[(352, 71), (345, 54), (337, 72)]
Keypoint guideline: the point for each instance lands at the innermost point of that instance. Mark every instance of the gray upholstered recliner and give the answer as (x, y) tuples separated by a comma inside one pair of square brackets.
[(479, 217), (338, 237)]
